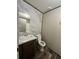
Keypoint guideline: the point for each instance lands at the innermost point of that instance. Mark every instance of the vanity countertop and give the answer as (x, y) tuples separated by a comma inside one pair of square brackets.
[(24, 39)]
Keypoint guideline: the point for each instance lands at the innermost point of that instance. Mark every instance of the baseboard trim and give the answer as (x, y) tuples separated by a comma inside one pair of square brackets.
[(51, 51)]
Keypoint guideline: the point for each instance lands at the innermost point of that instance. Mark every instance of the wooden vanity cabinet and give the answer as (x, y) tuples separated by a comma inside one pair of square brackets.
[(27, 50)]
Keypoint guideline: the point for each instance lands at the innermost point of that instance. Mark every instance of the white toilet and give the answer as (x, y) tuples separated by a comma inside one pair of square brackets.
[(41, 43)]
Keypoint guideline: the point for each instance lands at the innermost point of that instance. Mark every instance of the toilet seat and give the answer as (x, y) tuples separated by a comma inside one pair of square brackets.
[(42, 43)]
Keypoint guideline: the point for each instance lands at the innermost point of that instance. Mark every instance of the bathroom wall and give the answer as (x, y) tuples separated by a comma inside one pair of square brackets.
[(51, 32), (35, 16)]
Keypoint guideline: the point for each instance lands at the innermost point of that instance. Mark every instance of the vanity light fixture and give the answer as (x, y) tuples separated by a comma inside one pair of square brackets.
[(24, 15)]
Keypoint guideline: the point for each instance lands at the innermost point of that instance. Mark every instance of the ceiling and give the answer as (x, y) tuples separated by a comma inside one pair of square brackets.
[(44, 5)]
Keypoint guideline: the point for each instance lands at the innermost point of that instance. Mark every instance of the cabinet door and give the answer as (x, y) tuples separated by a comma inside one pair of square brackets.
[(20, 52), (27, 50)]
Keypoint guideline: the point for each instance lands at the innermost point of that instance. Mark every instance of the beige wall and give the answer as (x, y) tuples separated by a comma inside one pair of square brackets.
[(51, 32)]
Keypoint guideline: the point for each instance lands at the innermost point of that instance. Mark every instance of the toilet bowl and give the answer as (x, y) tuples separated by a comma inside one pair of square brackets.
[(42, 43)]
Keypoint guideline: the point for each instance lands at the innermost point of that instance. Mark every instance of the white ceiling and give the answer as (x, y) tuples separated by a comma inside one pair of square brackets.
[(44, 5)]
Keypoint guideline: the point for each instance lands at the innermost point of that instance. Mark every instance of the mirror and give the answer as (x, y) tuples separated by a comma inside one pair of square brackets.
[(21, 25), (23, 22)]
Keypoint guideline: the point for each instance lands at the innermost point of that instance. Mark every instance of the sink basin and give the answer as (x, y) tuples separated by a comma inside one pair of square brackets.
[(23, 39)]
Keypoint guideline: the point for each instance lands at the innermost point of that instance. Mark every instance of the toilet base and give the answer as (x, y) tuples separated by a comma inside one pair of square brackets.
[(42, 49)]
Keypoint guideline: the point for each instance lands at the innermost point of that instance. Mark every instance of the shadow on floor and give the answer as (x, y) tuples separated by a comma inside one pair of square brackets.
[(46, 54)]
